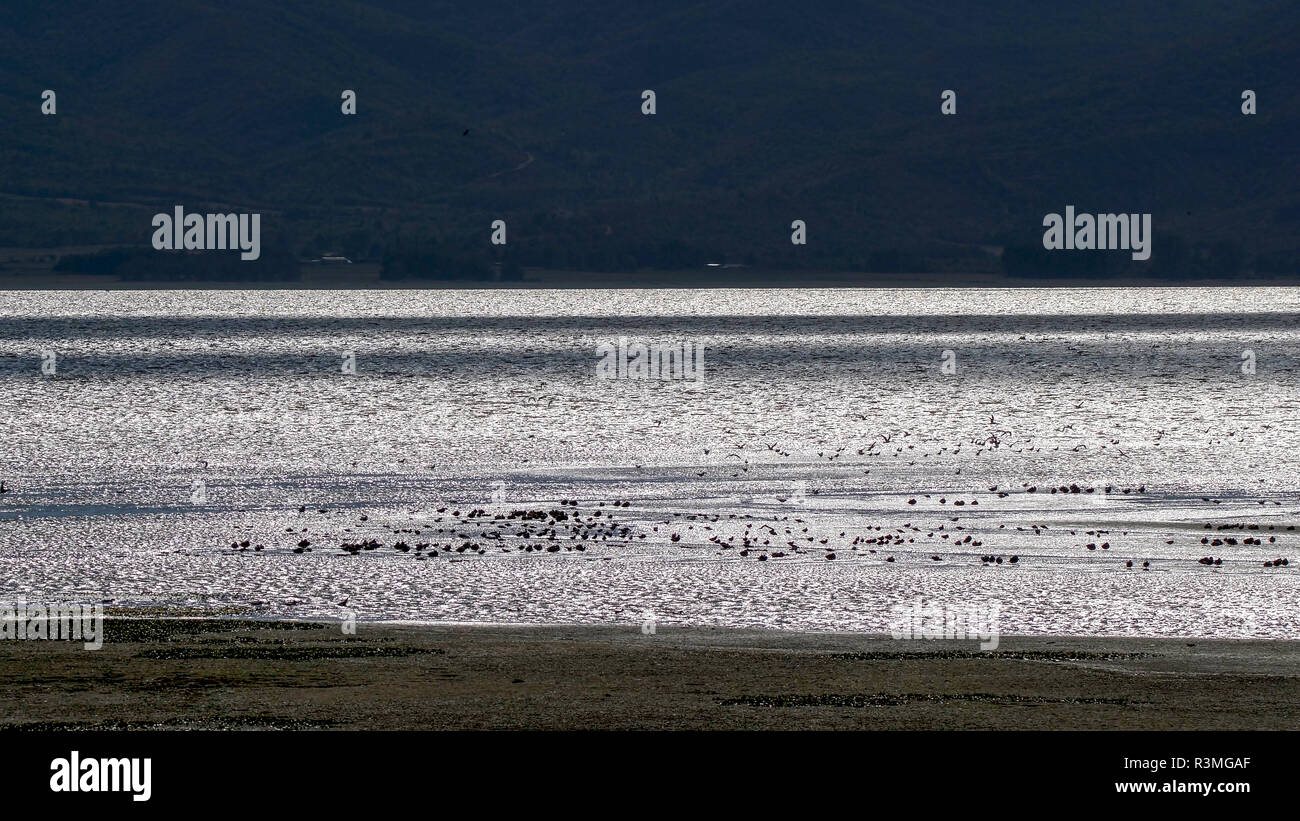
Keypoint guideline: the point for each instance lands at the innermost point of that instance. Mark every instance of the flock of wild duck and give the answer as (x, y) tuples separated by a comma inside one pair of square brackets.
[(455, 534)]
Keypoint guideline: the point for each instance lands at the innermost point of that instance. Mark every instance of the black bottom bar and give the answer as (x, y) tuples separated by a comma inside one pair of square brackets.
[(626, 772)]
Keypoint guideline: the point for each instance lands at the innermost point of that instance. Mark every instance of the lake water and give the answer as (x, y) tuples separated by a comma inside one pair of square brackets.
[(178, 422)]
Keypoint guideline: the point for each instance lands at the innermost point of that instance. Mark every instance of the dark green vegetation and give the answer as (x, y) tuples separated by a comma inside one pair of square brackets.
[(1024, 655), (281, 652), (896, 699), (253, 722), (165, 630), (470, 112)]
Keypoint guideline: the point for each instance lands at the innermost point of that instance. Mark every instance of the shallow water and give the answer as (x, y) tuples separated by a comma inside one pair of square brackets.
[(489, 399)]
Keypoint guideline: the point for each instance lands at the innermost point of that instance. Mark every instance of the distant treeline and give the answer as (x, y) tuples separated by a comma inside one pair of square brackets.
[(582, 245), (429, 261), (276, 264), (474, 259), (1172, 257)]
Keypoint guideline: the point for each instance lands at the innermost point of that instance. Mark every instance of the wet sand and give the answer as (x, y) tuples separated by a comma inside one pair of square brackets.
[(231, 674)]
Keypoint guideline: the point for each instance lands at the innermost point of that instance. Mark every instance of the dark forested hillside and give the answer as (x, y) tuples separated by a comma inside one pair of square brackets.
[(766, 112)]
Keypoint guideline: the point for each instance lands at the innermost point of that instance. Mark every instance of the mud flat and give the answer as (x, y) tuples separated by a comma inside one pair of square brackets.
[(161, 673)]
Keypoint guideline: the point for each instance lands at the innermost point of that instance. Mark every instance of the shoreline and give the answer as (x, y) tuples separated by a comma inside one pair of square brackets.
[(206, 673), (164, 614), (666, 280)]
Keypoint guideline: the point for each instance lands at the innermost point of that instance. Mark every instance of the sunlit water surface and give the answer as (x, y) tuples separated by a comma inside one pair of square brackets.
[(178, 422)]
